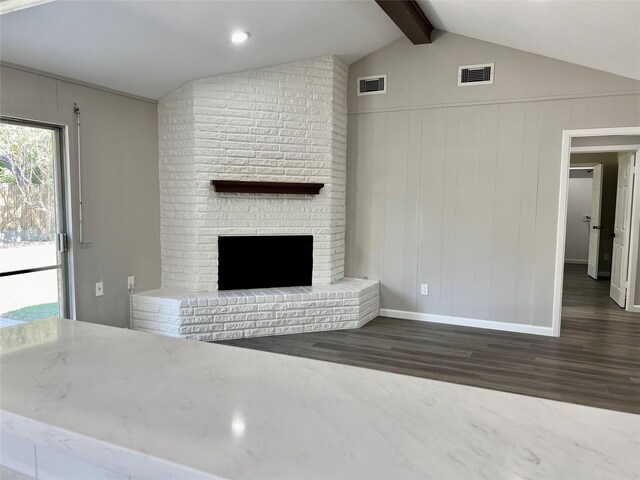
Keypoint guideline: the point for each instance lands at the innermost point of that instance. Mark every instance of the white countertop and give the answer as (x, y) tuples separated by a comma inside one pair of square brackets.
[(238, 413)]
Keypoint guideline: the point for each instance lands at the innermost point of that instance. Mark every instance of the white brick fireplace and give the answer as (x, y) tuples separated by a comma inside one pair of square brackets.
[(284, 124)]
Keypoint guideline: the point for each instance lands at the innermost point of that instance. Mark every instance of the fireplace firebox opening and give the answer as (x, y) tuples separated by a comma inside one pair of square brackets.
[(264, 261)]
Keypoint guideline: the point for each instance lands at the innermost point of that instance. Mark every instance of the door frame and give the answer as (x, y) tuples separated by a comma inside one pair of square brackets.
[(584, 166), (565, 160), (63, 183)]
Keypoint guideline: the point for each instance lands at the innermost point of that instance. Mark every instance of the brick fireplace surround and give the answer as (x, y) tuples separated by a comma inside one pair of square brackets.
[(283, 124)]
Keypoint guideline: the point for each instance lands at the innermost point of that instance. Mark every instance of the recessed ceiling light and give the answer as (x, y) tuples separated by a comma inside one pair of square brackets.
[(239, 36)]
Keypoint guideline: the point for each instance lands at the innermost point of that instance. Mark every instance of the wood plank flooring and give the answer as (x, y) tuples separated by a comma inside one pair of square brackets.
[(595, 361)]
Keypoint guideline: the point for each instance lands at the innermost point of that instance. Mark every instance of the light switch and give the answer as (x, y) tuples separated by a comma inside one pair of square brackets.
[(99, 289)]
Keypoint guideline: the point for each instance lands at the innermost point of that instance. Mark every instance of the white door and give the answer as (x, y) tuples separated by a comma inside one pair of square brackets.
[(594, 225), (621, 229)]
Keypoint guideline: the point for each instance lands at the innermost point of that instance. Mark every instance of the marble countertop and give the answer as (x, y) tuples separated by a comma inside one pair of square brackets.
[(238, 413)]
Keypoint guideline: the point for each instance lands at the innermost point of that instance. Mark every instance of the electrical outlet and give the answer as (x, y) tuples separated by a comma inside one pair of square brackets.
[(99, 289), (424, 289), (131, 282)]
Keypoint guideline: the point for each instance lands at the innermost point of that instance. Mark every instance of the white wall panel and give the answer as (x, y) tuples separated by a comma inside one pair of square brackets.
[(432, 174), (452, 139), (395, 204), (466, 211), (507, 212), (527, 214), (464, 199)]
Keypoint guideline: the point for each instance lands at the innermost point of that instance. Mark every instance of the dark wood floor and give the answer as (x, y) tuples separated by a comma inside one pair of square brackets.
[(595, 361)]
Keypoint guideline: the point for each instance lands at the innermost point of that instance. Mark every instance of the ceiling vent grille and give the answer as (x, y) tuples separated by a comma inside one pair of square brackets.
[(373, 85), (475, 74)]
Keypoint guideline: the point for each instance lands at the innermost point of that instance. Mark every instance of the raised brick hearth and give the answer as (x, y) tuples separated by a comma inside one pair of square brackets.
[(224, 315)]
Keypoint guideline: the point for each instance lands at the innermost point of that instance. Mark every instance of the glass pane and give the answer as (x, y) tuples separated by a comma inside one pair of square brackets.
[(27, 198), (27, 224), (28, 297)]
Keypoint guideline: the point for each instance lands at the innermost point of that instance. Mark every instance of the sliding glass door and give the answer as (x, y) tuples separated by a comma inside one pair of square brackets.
[(33, 247)]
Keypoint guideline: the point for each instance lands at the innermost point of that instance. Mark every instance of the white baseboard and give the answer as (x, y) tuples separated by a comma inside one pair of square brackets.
[(467, 322), (576, 261)]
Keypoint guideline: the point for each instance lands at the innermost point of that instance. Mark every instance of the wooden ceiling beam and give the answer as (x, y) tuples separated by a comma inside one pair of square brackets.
[(409, 18)]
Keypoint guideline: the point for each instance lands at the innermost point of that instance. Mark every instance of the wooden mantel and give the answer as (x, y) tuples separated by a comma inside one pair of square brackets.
[(240, 186)]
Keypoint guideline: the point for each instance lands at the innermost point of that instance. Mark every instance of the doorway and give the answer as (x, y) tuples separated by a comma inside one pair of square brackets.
[(34, 266), (583, 212), (611, 225), (601, 184)]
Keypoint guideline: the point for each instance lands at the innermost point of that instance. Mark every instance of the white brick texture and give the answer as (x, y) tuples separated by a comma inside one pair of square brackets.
[(288, 124), (283, 123), (225, 315)]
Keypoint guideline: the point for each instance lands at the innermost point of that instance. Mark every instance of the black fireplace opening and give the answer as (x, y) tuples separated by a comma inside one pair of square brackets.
[(264, 261)]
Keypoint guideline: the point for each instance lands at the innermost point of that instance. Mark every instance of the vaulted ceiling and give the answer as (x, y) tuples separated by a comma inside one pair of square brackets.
[(150, 48), (601, 34)]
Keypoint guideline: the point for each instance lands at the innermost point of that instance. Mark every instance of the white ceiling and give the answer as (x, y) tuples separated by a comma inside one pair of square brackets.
[(601, 34), (150, 48)]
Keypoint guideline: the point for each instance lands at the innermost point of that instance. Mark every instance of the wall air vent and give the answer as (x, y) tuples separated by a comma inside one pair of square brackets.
[(372, 85), (475, 74)]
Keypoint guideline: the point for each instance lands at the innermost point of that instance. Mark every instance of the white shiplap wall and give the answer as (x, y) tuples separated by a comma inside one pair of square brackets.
[(465, 198)]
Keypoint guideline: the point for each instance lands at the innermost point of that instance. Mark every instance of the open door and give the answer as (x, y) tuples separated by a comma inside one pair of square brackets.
[(620, 259), (595, 227)]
